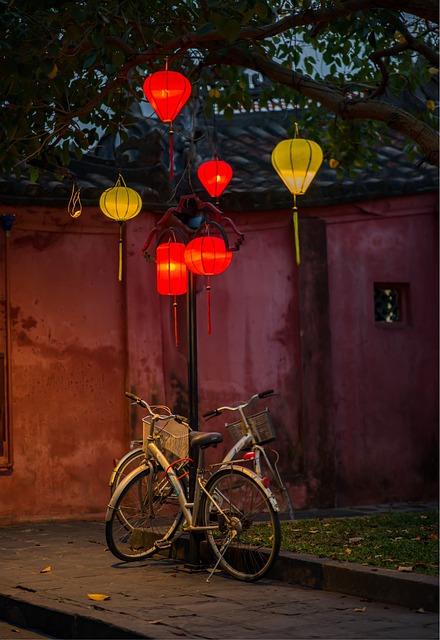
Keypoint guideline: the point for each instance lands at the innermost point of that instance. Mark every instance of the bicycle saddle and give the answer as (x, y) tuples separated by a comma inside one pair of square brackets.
[(197, 439)]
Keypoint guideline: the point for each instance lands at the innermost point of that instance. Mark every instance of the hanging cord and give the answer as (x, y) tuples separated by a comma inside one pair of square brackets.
[(296, 134), (176, 333), (208, 301)]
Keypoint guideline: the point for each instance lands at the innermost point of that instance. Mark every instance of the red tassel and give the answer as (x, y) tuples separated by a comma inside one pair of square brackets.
[(208, 294), (176, 336), (171, 155)]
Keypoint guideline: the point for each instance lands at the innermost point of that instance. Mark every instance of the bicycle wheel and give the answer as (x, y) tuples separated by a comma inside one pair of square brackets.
[(145, 516), (128, 463), (247, 540)]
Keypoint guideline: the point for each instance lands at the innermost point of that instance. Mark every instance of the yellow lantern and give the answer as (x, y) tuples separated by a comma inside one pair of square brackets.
[(297, 161), (120, 203)]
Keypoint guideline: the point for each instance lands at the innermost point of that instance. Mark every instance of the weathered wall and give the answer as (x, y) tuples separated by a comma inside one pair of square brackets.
[(384, 376), (355, 410)]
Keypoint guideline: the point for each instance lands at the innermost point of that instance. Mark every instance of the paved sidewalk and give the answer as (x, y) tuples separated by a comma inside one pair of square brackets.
[(159, 599)]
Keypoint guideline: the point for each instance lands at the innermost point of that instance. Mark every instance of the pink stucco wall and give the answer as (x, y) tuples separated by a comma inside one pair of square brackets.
[(384, 376), (355, 410)]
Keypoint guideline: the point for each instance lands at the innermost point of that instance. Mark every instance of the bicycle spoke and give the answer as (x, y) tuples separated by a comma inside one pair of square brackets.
[(247, 540)]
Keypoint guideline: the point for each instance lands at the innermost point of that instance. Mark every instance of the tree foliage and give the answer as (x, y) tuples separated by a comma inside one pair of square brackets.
[(355, 69)]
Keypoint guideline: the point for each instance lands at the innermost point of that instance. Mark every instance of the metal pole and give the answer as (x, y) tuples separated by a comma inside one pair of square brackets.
[(194, 561), (193, 389)]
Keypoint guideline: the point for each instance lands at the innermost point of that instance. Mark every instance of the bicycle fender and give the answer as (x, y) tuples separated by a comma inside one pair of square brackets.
[(259, 481), (119, 489), (122, 461)]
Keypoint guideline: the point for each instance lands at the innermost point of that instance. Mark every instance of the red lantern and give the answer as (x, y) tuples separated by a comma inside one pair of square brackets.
[(215, 175), (167, 92), (207, 256), (171, 272)]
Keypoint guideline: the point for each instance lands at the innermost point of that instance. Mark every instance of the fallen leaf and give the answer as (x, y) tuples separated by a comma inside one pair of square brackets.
[(354, 540), (347, 550), (360, 609), (46, 570), (155, 622), (421, 610), (98, 596), (405, 569)]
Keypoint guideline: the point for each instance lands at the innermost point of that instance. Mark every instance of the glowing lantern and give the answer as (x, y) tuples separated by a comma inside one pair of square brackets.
[(167, 92), (297, 161), (120, 203), (171, 271), (215, 176), (208, 256)]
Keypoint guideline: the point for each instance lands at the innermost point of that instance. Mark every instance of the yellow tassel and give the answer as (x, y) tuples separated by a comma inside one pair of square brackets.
[(120, 253), (296, 232)]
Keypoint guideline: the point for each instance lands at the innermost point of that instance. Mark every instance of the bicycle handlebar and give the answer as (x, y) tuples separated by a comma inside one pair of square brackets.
[(216, 412), (144, 404)]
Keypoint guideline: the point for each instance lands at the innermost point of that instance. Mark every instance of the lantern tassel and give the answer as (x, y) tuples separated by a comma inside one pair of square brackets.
[(171, 154), (176, 335), (208, 294), (120, 252), (296, 233)]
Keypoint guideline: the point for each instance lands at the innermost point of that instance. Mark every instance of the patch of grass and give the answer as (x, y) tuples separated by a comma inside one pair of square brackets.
[(400, 541)]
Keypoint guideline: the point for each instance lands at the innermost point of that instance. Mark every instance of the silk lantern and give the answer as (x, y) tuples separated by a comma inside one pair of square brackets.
[(297, 161), (120, 203), (215, 175), (167, 92), (208, 255), (171, 271)]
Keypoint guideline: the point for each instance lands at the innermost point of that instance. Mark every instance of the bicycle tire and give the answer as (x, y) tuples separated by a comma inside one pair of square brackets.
[(145, 516), (128, 463), (252, 552)]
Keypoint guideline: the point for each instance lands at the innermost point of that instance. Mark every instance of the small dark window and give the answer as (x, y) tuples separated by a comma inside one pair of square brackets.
[(389, 302)]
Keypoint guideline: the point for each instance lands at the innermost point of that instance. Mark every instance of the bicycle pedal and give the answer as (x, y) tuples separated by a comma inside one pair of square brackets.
[(163, 544)]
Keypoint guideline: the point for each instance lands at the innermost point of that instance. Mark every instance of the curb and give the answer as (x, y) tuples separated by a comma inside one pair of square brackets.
[(415, 591)]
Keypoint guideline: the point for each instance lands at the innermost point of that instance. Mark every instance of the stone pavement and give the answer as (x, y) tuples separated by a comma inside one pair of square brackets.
[(305, 597)]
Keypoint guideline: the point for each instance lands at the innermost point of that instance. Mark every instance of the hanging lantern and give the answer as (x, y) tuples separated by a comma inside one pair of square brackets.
[(120, 203), (297, 161), (167, 92), (208, 256), (215, 175), (171, 271)]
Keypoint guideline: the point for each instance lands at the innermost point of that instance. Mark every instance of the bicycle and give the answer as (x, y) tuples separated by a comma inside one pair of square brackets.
[(249, 434), (152, 507)]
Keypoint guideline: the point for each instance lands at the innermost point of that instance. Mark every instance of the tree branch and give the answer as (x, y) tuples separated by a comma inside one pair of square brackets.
[(334, 100)]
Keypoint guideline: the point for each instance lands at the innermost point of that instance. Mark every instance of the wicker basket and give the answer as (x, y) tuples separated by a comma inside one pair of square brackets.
[(261, 427), (172, 437)]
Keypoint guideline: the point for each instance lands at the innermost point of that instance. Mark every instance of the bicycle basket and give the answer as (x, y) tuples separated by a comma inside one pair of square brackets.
[(261, 428), (236, 429), (172, 437)]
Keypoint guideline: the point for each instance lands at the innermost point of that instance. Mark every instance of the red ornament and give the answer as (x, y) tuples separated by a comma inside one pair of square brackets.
[(167, 92), (215, 175), (207, 256), (171, 272)]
